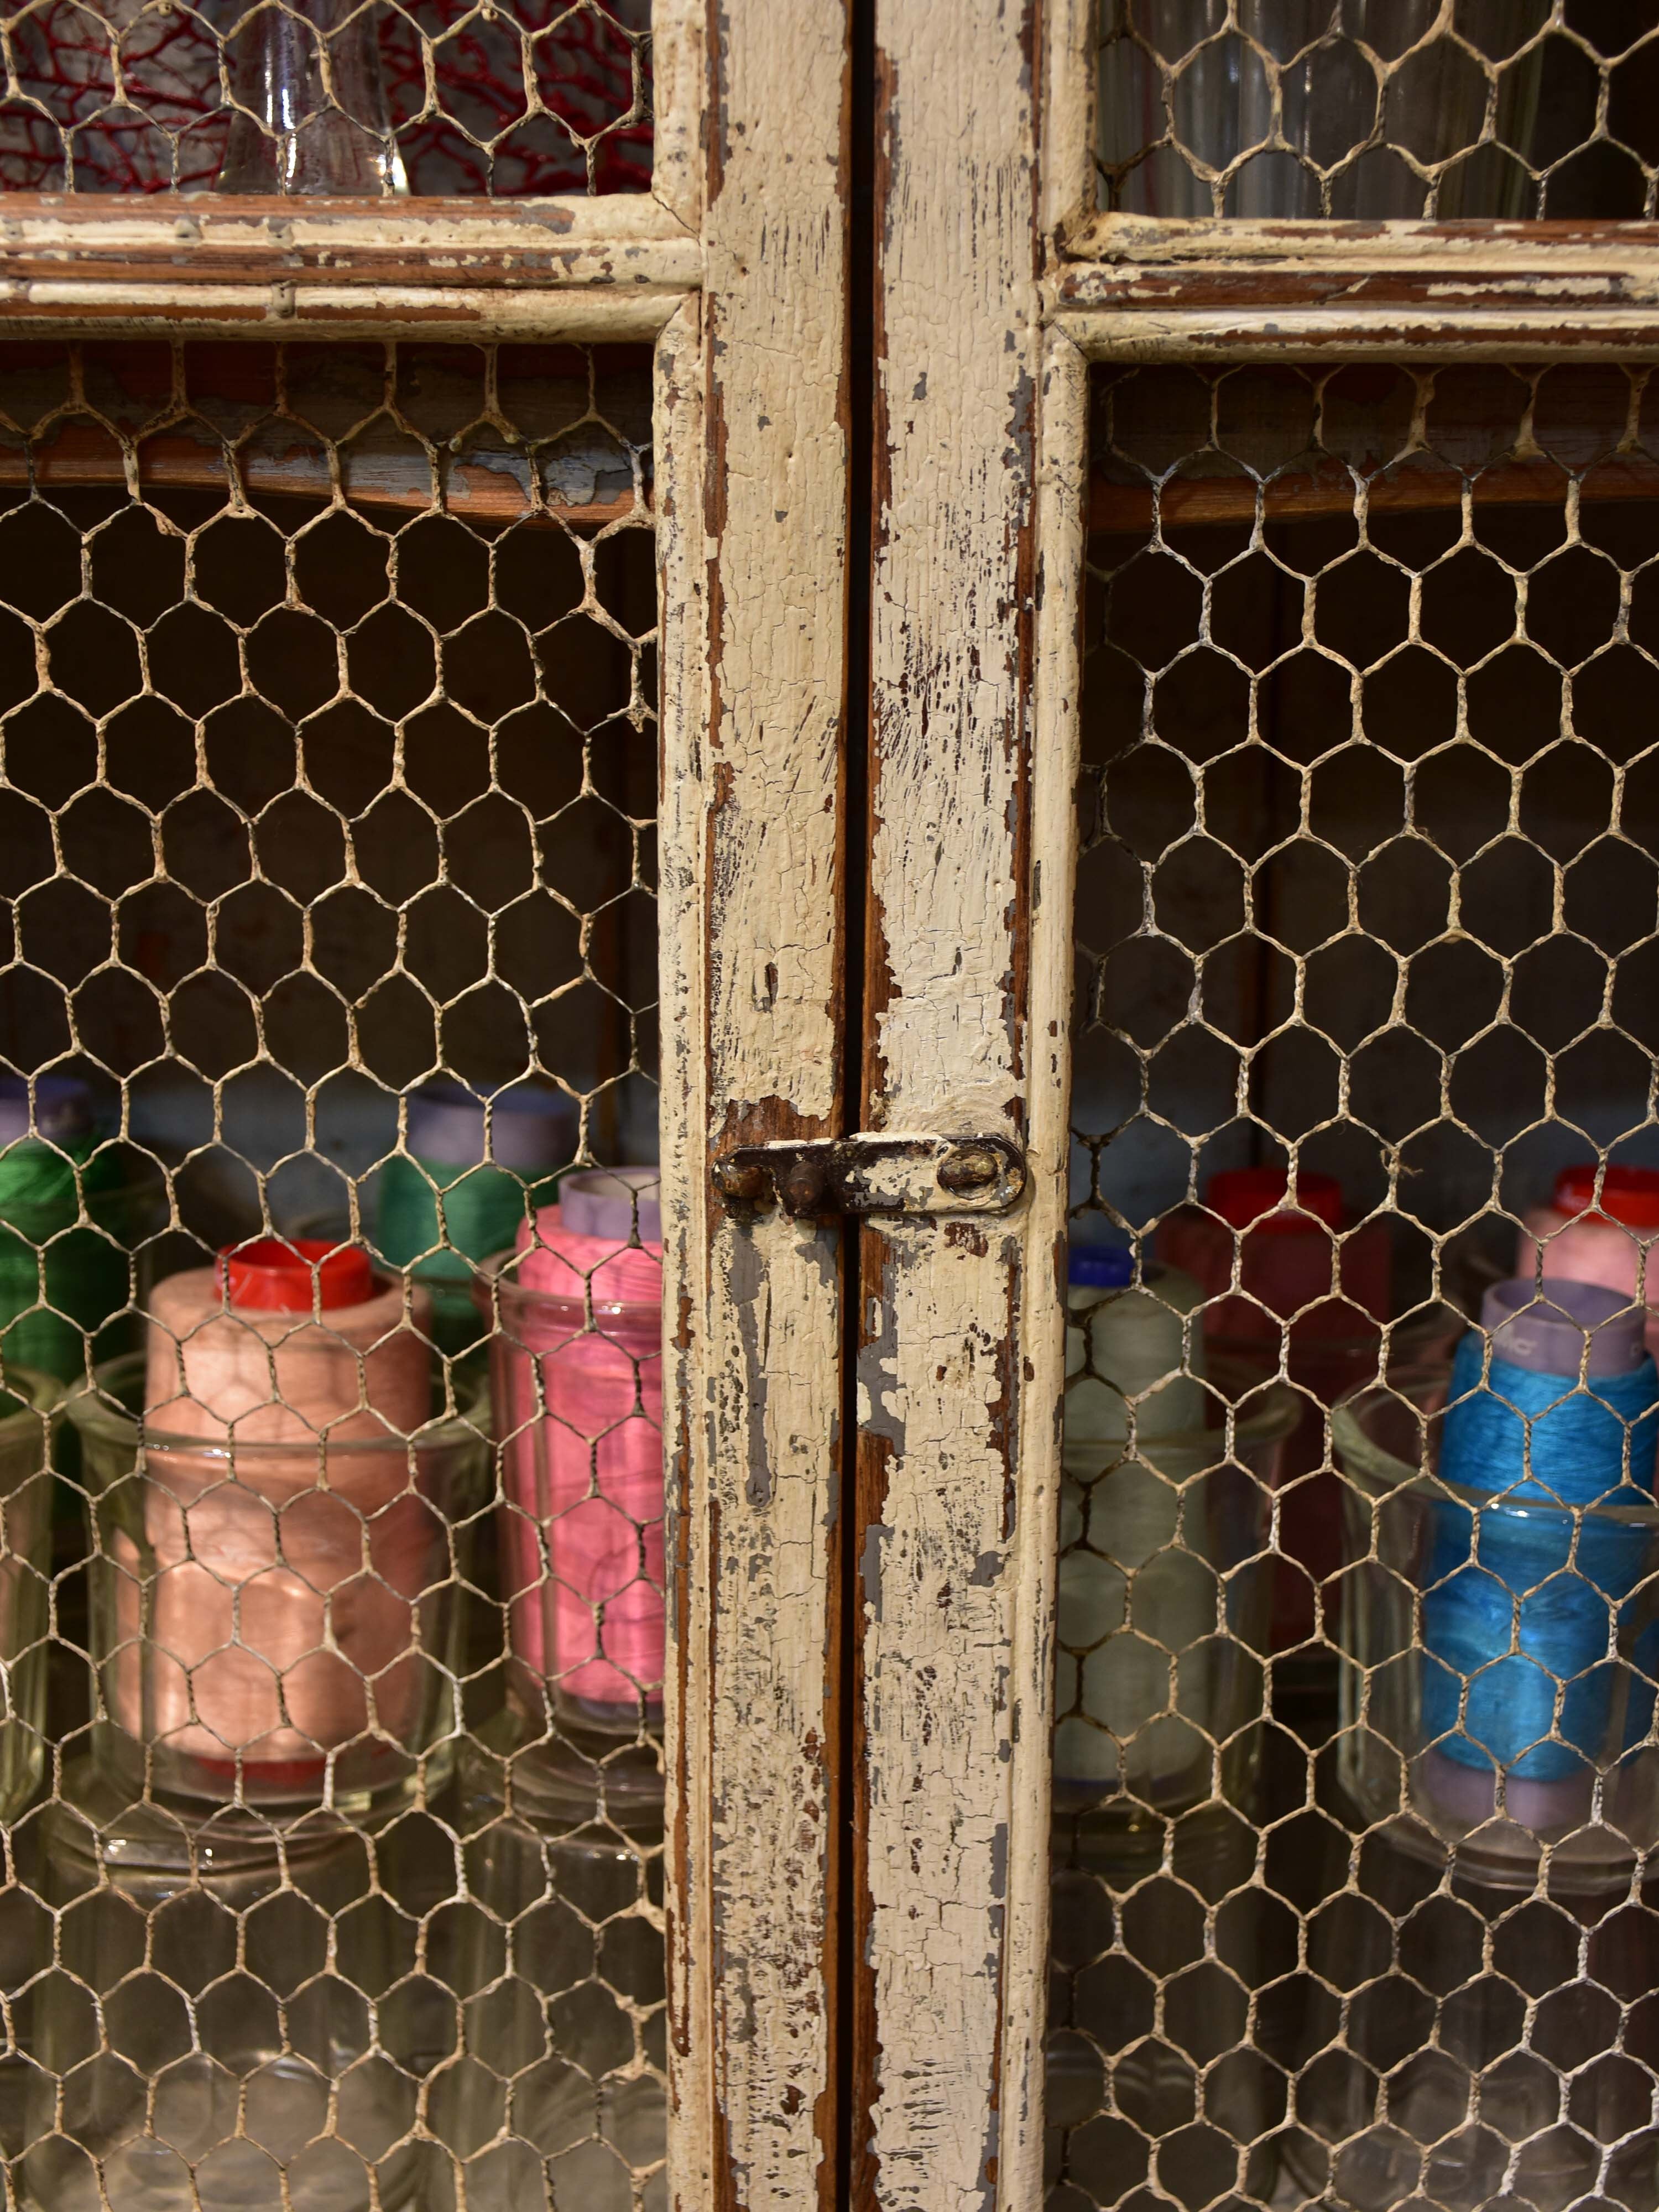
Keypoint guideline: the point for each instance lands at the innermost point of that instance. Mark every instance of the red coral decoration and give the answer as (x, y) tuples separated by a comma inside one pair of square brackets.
[(508, 98)]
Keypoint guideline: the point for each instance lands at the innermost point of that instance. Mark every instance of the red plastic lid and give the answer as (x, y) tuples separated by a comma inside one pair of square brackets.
[(1249, 1198), (279, 1274), (1630, 1195)]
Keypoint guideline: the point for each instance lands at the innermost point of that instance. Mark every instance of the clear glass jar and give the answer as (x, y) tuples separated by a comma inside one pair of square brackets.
[(1460, 2046), (1165, 1592), (278, 1622), (29, 1410), (560, 1957), (577, 1385), (205, 2040)]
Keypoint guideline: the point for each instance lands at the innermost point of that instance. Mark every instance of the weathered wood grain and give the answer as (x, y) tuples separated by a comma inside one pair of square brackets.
[(959, 1373), (613, 268), (755, 565)]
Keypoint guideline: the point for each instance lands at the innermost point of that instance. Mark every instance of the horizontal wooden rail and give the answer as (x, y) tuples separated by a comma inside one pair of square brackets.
[(612, 268), (1142, 288)]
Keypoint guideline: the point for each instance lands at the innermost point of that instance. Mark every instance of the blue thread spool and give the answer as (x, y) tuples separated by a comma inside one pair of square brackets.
[(457, 1195), (1518, 1586)]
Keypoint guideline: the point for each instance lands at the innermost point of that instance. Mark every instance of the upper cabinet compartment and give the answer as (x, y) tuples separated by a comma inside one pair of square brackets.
[(516, 98), (1371, 109)]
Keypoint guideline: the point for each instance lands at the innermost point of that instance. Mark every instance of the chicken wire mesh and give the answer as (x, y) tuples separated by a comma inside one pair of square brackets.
[(1354, 1752), (1367, 108), (441, 97), (331, 1739)]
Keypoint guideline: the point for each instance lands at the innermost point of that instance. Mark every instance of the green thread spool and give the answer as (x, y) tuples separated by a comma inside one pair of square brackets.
[(451, 1199), (59, 1284)]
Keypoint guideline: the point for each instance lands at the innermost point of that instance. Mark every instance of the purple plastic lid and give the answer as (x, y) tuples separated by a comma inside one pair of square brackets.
[(62, 1109), (600, 1201), (1545, 1330), (531, 1130)]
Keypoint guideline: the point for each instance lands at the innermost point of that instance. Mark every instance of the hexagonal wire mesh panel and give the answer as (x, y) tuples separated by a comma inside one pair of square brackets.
[(1354, 1771), (1366, 108), (328, 773), (533, 96)]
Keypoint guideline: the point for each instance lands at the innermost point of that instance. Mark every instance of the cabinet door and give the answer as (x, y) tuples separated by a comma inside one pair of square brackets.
[(1255, 653), (334, 762)]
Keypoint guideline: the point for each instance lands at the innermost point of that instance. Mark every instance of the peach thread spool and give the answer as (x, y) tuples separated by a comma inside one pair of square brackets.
[(1609, 1242), (578, 1383), (282, 1576)]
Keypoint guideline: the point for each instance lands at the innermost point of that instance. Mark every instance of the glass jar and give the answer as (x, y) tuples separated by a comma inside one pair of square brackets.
[(1460, 2046), (1165, 1600), (205, 2040), (560, 1957), (1312, 1298), (29, 1410), (278, 1622), (1422, 1736), (576, 1371)]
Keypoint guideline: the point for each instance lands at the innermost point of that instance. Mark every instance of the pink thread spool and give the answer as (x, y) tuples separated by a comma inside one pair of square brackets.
[(1610, 1243), (579, 1400), (272, 1539)]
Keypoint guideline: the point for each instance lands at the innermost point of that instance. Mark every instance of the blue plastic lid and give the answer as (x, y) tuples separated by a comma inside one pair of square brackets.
[(1100, 1266), (62, 1109)]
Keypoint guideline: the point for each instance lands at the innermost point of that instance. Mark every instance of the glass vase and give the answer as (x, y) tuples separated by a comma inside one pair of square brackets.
[(309, 103)]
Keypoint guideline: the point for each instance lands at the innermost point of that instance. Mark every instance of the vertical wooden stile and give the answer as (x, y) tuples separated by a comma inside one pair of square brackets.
[(753, 492), (979, 456)]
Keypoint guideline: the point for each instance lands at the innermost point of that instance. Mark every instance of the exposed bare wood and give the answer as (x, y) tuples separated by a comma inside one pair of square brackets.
[(945, 1392), (496, 489), (752, 951), (612, 268), (1303, 495)]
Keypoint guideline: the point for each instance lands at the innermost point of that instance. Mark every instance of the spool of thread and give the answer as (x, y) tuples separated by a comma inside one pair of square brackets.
[(1610, 1242), (278, 1585), (1517, 1591), (1128, 1364), (58, 1284), (581, 1410), (477, 1168)]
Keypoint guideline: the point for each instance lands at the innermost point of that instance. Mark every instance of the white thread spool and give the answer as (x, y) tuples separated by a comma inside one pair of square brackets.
[(1130, 1365)]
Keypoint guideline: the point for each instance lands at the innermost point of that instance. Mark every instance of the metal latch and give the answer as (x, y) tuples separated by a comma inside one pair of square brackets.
[(866, 1174)]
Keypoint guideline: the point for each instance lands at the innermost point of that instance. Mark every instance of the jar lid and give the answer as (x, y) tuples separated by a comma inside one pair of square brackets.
[(1100, 1266), (1545, 1330), (1256, 1197), (530, 1128), (1629, 1195), (282, 1275), (600, 1202), (62, 1109)]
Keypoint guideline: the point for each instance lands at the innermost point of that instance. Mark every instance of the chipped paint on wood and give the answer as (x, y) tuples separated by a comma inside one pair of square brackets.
[(752, 948), (1139, 287), (960, 1326), (609, 269)]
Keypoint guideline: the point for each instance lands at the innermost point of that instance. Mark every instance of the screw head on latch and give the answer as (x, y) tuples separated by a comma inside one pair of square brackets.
[(967, 1168), (740, 1183), (803, 1186)]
